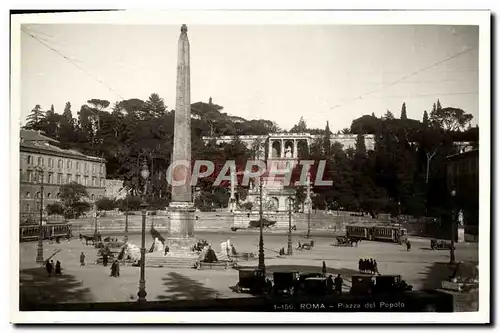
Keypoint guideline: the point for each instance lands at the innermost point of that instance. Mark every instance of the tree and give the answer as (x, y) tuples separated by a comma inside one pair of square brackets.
[(403, 112), (106, 203), (300, 127), (35, 117), (388, 115), (99, 104), (67, 112), (55, 209), (360, 144), (450, 119), (51, 111), (155, 106), (425, 120), (326, 140), (71, 196)]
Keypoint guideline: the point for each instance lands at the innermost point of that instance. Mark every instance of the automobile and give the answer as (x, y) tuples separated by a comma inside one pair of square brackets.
[(285, 283), (251, 280)]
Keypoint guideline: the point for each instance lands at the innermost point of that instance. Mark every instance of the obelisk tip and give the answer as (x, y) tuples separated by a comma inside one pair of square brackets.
[(184, 28)]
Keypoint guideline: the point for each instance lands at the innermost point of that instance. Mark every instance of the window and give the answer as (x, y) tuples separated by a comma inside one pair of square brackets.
[(102, 168), (50, 178), (51, 162), (78, 166), (94, 181), (78, 179), (68, 164), (59, 178), (68, 178), (30, 159), (48, 195), (40, 161), (29, 175), (28, 208), (93, 167), (60, 163), (57, 195), (37, 195), (28, 194), (92, 197), (86, 180), (85, 166), (101, 182)]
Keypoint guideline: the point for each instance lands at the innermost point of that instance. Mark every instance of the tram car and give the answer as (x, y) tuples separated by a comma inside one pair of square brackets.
[(32, 232), (377, 232)]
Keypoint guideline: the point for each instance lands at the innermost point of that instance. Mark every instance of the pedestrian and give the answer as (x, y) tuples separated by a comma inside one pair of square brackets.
[(324, 268), (105, 259), (117, 269), (375, 268), (166, 249), (360, 265), (52, 265), (371, 266), (58, 268), (48, 267), (82, 259), (329, 284), (338, 284), (408, 245), (113, 269)]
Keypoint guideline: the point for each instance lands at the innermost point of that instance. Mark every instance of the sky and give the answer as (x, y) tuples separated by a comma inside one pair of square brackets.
[(333, 73)]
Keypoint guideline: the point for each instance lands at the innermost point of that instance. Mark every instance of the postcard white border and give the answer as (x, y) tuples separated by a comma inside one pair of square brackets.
[(480, 18)]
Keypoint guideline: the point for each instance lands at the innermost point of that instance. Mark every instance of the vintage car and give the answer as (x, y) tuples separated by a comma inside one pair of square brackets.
[(285, 283), (251, 280), (362, 284)]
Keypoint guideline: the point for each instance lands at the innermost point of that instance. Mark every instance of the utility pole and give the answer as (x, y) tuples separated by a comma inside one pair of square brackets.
[(290, 250), (262, 265)]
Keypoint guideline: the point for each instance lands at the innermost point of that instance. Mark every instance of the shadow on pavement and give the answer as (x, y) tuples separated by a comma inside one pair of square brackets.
[(435, 273), (179, 287), (35, 287)]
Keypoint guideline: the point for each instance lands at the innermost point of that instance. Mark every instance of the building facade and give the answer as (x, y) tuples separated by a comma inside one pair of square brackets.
[(288, 145), (60, 166)]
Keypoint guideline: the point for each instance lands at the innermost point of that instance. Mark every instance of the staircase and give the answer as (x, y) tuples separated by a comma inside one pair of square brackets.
[(171, 260)]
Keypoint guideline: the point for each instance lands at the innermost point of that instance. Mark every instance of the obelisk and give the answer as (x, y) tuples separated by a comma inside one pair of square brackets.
[(181, 206)]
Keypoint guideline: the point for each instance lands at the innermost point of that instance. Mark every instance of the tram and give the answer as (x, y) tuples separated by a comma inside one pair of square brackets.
[(32, 232), (389, 233)]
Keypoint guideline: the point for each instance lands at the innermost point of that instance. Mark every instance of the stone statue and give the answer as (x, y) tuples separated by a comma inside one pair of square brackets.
[(158, 245), (288, 152)]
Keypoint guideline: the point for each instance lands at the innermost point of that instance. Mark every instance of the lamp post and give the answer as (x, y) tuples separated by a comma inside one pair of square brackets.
[(290, 250), (142, 282), (262, 265), (452, 247), (95, 221), (399, 222), (39, 250), (126, 213), (309, 204)]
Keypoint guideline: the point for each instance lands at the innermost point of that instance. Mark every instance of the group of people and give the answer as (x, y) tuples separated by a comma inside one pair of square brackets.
[(334, 285), (368, 266), (53, 269)]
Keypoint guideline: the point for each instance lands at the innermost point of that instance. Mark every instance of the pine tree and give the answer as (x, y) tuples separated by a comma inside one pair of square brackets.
[(326, 140), (438, 105), (360, 144), (50, 112), (403, 112), (373, 115), (35, 117), (155, 106), (67, 112), (388, 115), (425, 119), (433, 108)]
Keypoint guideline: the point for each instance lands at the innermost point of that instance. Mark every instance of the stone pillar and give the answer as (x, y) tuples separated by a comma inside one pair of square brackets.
[(295, 152), (181, 207), (282, 152)]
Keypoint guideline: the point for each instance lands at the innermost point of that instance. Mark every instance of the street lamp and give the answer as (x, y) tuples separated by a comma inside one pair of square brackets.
[(452, 248), (142, 282), (126, 213), (262, 265), (290, 250), (399, 222), (39, 252)]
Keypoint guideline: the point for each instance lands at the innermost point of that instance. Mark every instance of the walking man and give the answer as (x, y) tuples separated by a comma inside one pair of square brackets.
[(338, 284), (82, 259), (58, 268)]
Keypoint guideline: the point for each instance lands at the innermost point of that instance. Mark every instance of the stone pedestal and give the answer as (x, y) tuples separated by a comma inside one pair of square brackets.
[(461, 235), (182, 219)]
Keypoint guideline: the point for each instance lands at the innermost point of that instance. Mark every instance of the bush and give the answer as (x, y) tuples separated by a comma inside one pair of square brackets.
[(106, 204)]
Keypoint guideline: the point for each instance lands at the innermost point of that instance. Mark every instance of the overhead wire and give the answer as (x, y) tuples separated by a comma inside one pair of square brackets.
[(72, 61), (401, 79)]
